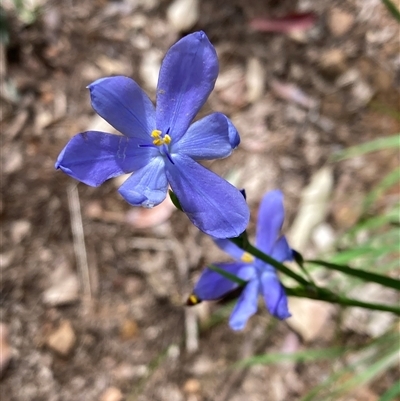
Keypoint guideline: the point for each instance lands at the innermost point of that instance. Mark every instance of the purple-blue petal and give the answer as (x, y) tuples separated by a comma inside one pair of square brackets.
[(212, 137), (246, 305), (281, 250), (93, 157), (211, 203), (124, 105), (274, 295), (187, 77), (271, 214), (148, 186), (212, 285), (230, 248)]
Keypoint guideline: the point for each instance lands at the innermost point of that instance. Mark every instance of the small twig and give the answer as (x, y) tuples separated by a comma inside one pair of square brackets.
[(79, 239), (191, 327), (191, 330)]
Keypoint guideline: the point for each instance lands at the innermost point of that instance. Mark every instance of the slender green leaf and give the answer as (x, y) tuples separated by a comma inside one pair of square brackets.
[(379, 356), (375, 222), (391, 393), (227, 275), (384, 362), (389, 181), (363, 252), (392, 9), (328, 296), (388, 142)]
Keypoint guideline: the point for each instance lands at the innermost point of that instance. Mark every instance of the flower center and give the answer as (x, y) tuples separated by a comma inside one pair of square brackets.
[(247, 258), (160, 140)]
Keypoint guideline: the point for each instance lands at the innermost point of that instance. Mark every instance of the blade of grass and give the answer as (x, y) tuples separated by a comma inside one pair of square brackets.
[(227, 275), (328, 296), (390, 394), (383, 345), (389, 181), (371, 252), (374, 369), (388, 142), (375, 222), (392, 9)]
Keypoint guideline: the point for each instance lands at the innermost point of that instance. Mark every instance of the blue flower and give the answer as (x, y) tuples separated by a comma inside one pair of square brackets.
[(261, 277), (160, 145)]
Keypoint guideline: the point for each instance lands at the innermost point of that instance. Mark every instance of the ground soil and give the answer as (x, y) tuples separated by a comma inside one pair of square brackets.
[(130, 327)]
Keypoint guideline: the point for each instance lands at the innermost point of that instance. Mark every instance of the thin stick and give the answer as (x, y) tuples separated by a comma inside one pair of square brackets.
[(191, 327), (79, 239)]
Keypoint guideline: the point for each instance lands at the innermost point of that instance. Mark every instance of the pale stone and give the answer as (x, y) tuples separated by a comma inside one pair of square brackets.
[(309, 317), (339, 22), (112, 394), (62, 340), (183, 14), (333, 61), (64, 288)]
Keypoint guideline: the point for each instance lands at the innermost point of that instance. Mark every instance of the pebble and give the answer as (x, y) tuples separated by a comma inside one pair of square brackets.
[(361, 95), (364, 321), (6, 258), (324, 237), (169, 392), (191, 386), (20, 229), (183, 14), (129, 329), (309, 318), (64, 287), (340, 22), (112, 394), (127, 372), (62, 339), (203, 365), (333, 61)]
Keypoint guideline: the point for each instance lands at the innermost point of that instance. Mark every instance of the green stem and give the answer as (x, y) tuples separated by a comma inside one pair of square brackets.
[(328, 296), (309, 289), (246, 246)]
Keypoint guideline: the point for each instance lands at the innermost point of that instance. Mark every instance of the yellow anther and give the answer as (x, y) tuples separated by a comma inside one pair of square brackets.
[(193, 300), (158, 139), (247, 258), (156, 133)]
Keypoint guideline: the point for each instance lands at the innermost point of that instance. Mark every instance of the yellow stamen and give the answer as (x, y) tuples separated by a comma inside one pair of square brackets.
[(247, 258), (158, 139), (192, 300), (156, 133)]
